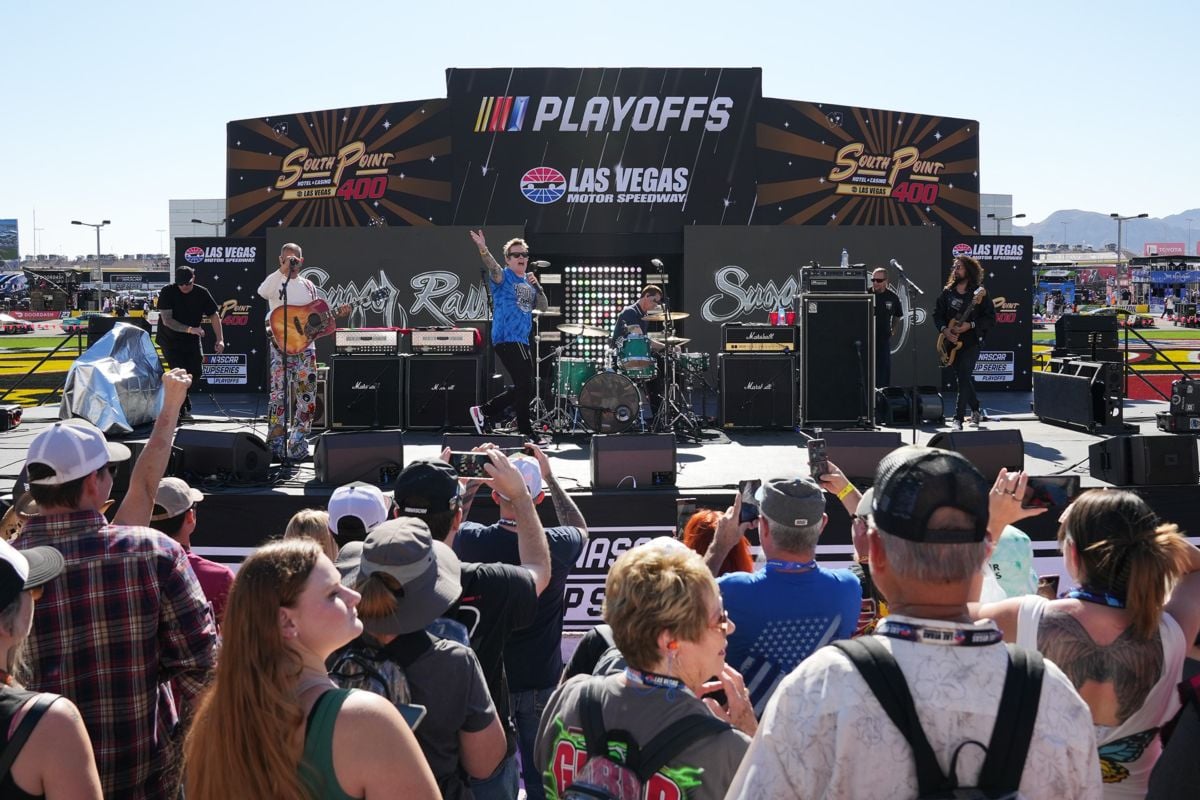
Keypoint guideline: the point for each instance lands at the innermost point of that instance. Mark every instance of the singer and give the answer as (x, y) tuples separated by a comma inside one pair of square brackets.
[(515, 293), (887, 316), (961, 320)]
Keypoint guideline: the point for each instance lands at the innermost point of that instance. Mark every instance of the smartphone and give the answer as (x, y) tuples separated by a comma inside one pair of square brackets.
[(818, 461), (1051, 491), (684, 508), (1048, 587), (470, 465), (747, 489)]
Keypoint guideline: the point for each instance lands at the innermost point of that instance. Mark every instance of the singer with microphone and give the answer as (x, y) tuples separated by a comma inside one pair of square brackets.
[(887, 321), (515, 293)]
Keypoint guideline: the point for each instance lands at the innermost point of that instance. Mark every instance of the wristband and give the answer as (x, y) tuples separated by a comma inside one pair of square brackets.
[(846, 490), (483, 252)]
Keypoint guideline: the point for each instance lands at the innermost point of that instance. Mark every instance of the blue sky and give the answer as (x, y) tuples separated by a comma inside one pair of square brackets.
[(115, 108)]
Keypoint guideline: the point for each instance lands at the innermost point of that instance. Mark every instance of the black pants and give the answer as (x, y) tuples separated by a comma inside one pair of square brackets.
[(963, 368), (883, 363), (184, 353), (516, 359)]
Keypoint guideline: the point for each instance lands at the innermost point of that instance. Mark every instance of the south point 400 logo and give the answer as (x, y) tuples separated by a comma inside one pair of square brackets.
[(544, 185)]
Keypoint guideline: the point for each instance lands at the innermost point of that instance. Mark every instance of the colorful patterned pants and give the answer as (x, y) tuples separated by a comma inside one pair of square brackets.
[(302, 374)]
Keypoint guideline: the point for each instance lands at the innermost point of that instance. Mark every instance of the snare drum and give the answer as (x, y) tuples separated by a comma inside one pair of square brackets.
[(634, 359), (572, 375), (692, 365)]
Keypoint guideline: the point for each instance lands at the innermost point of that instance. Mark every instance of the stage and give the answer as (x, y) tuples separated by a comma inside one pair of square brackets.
[(236, 516)]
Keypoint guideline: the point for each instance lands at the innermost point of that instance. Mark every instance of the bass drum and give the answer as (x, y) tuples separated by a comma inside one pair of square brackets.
[(609, 403)]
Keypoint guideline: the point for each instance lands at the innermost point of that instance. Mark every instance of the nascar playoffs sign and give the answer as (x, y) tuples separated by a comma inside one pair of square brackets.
[(603, 150)]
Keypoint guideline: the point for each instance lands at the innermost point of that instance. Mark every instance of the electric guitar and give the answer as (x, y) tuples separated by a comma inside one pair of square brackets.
[(948, 341), (307, 323)]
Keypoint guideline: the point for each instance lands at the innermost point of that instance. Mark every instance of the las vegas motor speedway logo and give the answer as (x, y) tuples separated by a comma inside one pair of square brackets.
[(544, 185)]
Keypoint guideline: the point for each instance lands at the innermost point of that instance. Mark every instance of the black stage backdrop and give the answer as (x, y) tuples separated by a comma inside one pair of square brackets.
[(231, 269), (741, 274), (832, 164), (353, 167), (603, 150), (1006, 359)]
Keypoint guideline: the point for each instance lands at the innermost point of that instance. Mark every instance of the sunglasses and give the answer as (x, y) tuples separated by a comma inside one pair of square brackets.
[(722, 623), (525, 254), (878, 280)]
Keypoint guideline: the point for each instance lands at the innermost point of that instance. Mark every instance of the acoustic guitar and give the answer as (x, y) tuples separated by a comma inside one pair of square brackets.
[(948, 347), (309, 322)]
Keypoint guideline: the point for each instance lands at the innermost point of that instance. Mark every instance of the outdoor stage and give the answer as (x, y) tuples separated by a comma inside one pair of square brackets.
[(234, 519)]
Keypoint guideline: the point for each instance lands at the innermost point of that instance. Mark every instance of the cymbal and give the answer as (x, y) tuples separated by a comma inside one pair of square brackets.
[(675, 316), (586, 331), (537, 313), (673, 341)]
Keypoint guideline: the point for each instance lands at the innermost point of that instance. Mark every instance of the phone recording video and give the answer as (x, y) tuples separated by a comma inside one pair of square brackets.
[(1051, 491), (469, 465), (747, 489), (818, 461)]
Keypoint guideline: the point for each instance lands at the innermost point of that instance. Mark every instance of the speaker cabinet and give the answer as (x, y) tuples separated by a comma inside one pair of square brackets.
[(125, 468), (858, 453), (633, 460), (235, 455), (1086, 394), (441, 391), (321, 414), (371, 456), (894, 406), (366, 392), (758, 391), (1145, 460), (837, 357), (987, 450)]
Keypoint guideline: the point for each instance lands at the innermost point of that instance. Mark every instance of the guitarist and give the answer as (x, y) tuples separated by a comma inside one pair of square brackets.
[(957, 324), (299, 370)]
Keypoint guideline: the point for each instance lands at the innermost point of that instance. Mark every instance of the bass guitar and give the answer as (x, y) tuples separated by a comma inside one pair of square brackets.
[(948, 341), (309, 322)]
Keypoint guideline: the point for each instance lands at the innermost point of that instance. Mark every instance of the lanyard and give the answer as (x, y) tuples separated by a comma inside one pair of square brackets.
[(1100, 598), (929, 634), (654, 680), (775, 565)]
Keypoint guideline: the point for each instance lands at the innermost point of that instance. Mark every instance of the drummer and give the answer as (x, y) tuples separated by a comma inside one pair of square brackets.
[(632, 321)]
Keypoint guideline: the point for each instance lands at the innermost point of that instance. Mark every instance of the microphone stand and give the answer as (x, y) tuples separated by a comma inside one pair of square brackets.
[(914, 398)]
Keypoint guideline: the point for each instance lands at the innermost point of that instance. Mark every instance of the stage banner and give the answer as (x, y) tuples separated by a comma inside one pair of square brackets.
[(603, 150), (231, 269), (353, 167), (1006, 358), (10, 249), (826, 164), (742, 274)]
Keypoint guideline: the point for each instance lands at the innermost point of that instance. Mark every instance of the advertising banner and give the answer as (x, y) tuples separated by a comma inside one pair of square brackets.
[(603, 150), (231, 269), (1006, 358), (829, 164), (9, 245), (355, 167), (1164, 249)]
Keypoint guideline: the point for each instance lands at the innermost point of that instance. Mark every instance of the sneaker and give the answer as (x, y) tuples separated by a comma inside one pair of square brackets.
[(538, 440), (479, 418), (956, 424), (976, 418)]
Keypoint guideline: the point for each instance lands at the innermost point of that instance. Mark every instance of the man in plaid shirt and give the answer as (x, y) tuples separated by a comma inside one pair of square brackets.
[(126, 619)]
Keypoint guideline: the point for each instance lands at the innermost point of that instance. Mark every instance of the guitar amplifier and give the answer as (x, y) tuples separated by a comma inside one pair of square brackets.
[(368, 341), (445, 340), (820, 280), (440, 391), (366, 392), (758, 337), (757, 391)]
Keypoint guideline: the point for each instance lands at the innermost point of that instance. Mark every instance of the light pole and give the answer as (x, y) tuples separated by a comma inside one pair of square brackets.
[(1003, 219), (97, 275), (1121, 276), (160, 232), (1187, 250), (1064, 224), (216, 225)]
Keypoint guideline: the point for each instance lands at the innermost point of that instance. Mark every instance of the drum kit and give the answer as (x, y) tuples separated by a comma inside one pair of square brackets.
[(606, 397)]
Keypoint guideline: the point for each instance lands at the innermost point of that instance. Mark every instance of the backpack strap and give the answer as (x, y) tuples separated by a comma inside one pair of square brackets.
[(1013, 730), (676, 738), (882, 674), (21, 734), (591, 709)]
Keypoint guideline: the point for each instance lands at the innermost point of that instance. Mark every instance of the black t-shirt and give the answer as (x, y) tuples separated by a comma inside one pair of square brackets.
[(630, 315), (187, 309), (887, 307)]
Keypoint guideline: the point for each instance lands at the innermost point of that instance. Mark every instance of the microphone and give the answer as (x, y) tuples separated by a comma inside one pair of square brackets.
[(293, 261), (896, 264), (656, 263), (540, 264)]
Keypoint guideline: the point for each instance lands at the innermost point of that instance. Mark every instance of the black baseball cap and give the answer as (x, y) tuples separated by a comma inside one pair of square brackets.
[(912, 483), (184, 276), (426, 486)]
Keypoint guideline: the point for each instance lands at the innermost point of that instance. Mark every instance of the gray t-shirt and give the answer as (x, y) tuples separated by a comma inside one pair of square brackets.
[(703, 771)]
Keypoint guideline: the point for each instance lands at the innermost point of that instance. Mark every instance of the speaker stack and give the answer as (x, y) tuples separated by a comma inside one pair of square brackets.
[(837, 350), (366, 392), (757, 391), (441, 391), (1089, 336), (1082, 394)]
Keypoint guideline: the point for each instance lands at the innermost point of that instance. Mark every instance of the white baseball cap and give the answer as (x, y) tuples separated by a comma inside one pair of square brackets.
[(361, 500), (174, 497), (531, 471), (72, 449)]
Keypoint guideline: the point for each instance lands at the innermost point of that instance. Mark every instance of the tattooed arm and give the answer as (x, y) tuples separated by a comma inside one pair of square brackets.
[(495, 271), (568, 513)]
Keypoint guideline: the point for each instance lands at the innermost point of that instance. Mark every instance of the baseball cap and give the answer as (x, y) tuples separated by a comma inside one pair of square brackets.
[(360, 500), (428, 571), (531, 472), (913, 482), (173, 498), (864, 504), (26, 569), (72, 449), (793, 501), (426, 485), (184, 276)]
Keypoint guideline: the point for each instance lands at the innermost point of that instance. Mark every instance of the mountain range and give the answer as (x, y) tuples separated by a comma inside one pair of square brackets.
[(1075, 227)]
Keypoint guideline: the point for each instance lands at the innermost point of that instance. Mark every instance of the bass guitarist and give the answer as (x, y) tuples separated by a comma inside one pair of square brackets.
[(294, 375), (961, 321)]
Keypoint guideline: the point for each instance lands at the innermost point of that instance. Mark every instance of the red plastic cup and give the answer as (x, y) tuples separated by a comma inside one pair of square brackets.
[(791, 317), (773, 317)]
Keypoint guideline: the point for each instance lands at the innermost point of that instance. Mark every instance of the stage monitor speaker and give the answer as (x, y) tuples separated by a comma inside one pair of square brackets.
[(858, 453), (462, 442), (837, 347), (366, 391), (633, 460), (125, 468), (234, 455), (1145, 460), (987, 450), (321, 414), (758, 391), (893, 405), (370, 456), (441, 390)]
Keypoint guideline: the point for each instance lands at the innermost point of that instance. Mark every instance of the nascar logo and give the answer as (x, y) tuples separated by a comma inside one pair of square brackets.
[(194, 255), (543, 185), (500, 114)]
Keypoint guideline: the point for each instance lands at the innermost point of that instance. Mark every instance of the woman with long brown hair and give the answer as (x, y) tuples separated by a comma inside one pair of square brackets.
[(273, 725), (1122, 634)]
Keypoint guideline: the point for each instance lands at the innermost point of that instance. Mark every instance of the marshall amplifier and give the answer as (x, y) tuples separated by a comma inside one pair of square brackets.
[(441, 391), (754, 337), (369, 341), (820, 280), (366, 392), (838, 357), (445, 340), (758, 391)]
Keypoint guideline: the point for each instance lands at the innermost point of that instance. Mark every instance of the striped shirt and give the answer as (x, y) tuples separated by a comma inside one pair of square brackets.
[(126, 617)]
